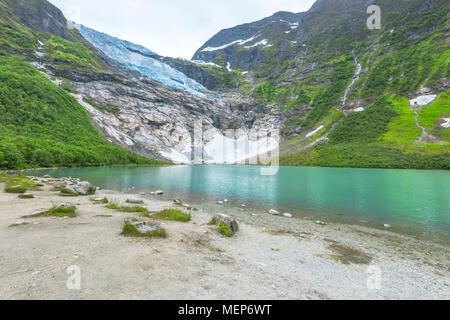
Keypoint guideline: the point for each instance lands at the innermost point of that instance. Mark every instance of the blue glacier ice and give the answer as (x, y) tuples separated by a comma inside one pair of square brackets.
[(139, 58)]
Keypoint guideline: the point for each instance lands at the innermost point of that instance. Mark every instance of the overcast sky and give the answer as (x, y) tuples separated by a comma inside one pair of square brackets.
[(175, 28)]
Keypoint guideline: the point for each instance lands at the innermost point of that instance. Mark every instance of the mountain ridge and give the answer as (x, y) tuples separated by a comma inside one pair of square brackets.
[(341, 95)]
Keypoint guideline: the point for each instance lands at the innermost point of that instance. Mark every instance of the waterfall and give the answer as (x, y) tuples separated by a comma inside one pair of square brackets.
[(355, 78)]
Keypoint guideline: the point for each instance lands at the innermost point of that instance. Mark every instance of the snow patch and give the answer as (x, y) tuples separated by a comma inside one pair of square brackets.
[(446, 124), (260, 43), (229, 67), (312, 134), (423, 100), (204, 63), (240, 42)]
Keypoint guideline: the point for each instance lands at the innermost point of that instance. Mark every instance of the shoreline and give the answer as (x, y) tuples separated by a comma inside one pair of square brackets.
[(300, 261)]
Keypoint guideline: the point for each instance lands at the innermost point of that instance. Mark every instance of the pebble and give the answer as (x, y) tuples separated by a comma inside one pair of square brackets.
[(274, 212)]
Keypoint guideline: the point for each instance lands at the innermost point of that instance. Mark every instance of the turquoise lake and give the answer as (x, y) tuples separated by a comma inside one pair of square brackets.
[(413, 202)]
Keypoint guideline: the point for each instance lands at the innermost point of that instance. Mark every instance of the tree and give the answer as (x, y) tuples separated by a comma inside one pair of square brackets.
[(42, 158), (11, 156)]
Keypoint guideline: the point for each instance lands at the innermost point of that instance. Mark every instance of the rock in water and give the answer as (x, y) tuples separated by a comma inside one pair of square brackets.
[(229, 221), (274, 212), (178, 201), (135, 201)]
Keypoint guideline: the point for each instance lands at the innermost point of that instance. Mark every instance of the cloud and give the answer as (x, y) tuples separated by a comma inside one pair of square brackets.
[(174, 28)]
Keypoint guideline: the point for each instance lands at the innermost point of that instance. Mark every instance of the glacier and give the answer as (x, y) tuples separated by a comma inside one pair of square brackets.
[(139, 58)]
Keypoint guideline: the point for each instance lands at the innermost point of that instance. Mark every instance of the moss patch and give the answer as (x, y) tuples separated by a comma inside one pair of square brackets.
[(225, 229), (60, 212), (139, 209), (131, 231), (26, 196), (68, 193), (17, 189), (347, 255), (172, 215)]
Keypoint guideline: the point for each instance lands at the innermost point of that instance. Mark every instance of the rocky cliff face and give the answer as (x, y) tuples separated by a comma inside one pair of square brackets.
[(152, 120)]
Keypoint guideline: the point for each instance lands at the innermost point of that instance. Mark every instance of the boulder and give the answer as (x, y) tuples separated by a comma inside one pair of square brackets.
[(228, 220), (64, 205), (83, 188), (145, 227), (178, 201)]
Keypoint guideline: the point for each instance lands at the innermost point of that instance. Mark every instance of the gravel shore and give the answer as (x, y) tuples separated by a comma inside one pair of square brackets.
[(303, 261)]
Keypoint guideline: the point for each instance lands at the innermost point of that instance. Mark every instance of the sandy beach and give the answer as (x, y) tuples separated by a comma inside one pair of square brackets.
[(195, 261)]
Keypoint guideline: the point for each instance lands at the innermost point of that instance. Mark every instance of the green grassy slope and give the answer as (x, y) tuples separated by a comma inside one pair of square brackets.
[(42, 125)]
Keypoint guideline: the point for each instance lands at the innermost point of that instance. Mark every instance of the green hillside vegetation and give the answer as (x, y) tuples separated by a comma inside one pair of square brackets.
[(42, 125), (382, 136)]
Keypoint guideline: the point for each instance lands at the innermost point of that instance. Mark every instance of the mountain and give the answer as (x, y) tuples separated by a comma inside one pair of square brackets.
[(41, 124), (345, 93), (56, 86), (341, 94)]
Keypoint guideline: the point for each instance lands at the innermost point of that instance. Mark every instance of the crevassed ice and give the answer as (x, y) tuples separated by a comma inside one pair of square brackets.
[(138, 58)]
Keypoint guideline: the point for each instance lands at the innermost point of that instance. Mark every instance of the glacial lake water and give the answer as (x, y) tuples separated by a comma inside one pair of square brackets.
[(412, 202)]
